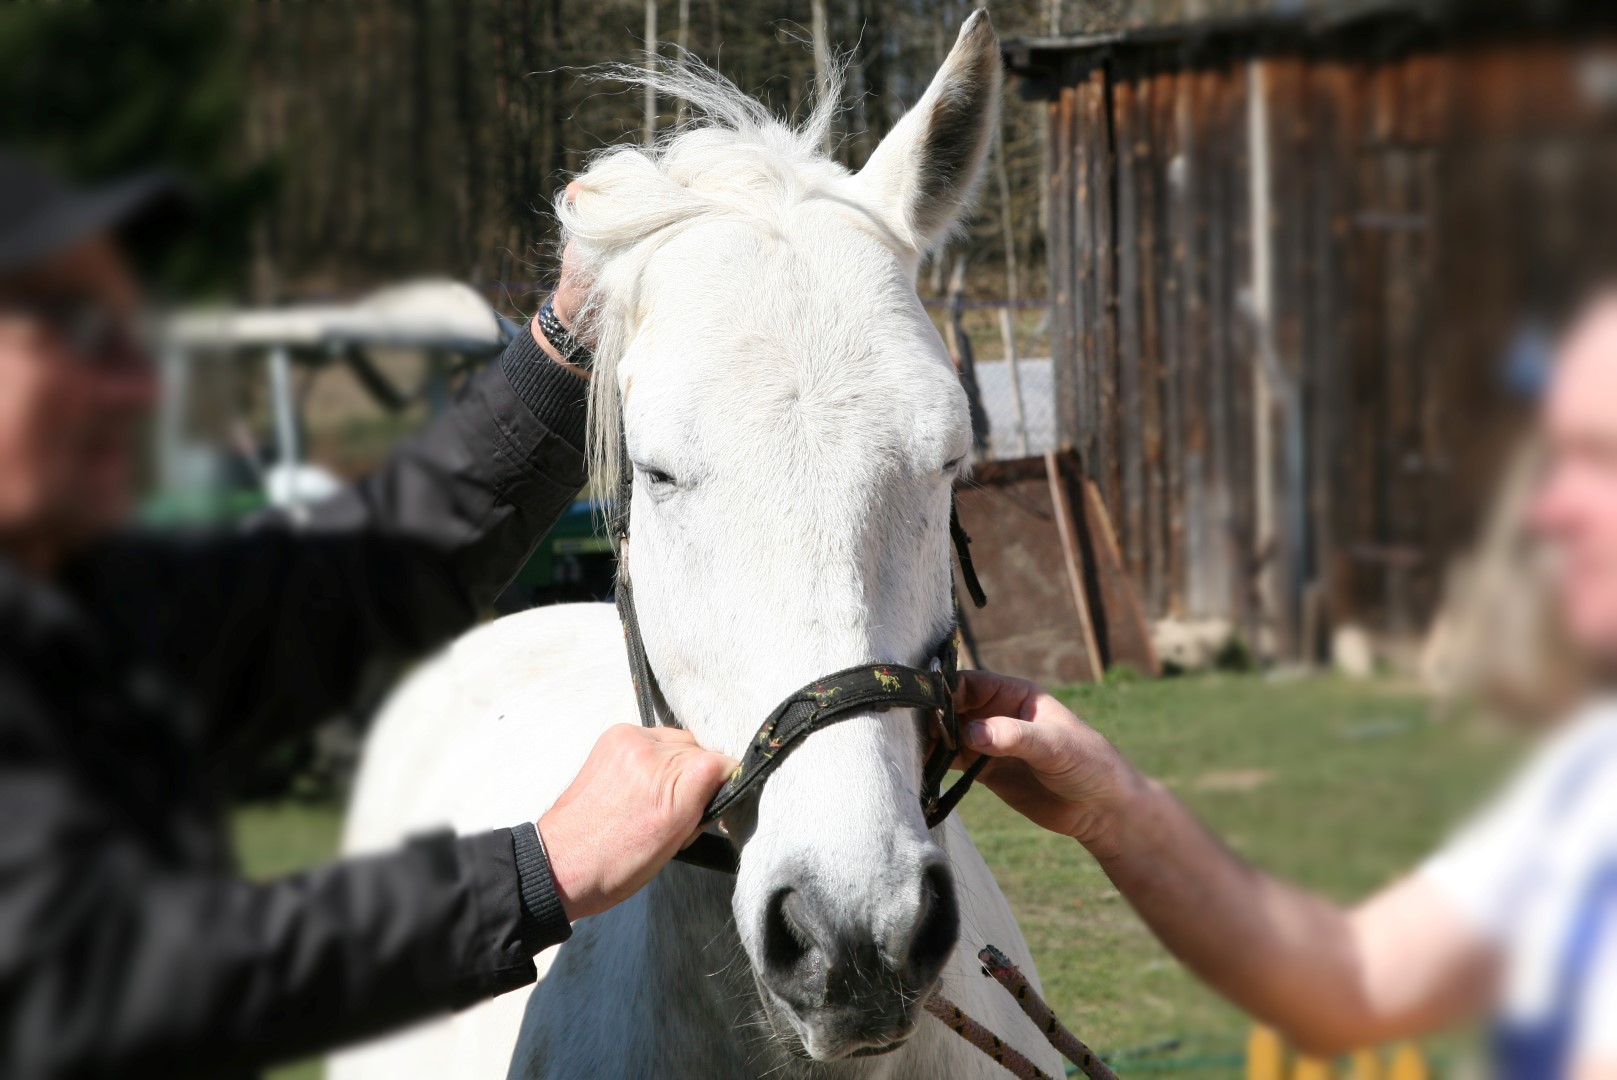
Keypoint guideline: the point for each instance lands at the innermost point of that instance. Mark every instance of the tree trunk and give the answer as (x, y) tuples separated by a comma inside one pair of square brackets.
[(822, 65), (651, 70)]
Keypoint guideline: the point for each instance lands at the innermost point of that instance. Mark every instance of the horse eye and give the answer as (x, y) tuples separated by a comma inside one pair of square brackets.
[(656, 477), (952, 464)]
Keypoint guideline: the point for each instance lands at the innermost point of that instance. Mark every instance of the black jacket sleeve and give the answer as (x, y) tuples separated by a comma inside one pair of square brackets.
[(277, 626), (112, 964)]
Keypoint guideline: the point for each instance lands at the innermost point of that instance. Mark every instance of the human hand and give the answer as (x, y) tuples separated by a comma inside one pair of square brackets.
[(638, 799), (1048, 765), (572, 292)]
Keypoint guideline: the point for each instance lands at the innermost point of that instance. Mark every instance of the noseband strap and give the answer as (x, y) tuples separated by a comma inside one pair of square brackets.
[(851, 691)]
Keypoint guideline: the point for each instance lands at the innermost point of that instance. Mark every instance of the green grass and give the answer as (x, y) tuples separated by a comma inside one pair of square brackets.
[(1338, 786)]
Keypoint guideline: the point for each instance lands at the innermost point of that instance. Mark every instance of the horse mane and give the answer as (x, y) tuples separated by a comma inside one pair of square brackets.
[(732, 160)]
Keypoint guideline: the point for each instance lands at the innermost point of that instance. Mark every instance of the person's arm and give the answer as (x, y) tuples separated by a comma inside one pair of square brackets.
[(1330, 980), (113, 962), (280, 624)]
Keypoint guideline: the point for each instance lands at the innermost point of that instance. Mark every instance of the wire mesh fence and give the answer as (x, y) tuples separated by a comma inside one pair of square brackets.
[(1002, 351)]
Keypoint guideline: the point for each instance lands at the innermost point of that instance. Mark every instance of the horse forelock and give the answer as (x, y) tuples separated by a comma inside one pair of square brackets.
[(734, 161)]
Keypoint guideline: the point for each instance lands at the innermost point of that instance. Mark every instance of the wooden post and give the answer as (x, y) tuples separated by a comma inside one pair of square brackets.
[(1068, 530), (1007, 331)]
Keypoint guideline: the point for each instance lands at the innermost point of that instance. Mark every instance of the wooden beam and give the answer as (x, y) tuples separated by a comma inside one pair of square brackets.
[(1107, 462), (1129, 364), (1128, 631), (1068, 529)]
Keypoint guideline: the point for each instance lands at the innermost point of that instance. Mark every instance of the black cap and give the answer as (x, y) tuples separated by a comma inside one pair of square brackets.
[(42, 215)]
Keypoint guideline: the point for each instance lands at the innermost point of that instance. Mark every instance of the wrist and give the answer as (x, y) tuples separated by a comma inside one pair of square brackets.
[(552, 329), (566, 876), (1102, 825), (544, 920)]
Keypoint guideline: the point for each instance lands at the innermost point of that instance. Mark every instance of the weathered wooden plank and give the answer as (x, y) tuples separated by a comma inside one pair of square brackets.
[(1067, 377), (1243, 510), (1293, 269), (1328, 329), (1369, 443), (1193, 119), (1132, 523), (1218, 168), (1173, 122), (1102, 180), (1083, 245), (1149, 225)]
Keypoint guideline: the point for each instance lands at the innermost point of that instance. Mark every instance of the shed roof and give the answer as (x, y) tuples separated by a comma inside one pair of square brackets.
[(1183, 31)]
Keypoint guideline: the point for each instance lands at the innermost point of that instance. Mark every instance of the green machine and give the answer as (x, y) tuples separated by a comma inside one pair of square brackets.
[(231, 437)]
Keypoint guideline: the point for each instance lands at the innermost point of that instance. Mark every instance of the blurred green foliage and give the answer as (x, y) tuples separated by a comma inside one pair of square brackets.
[(101, 91)]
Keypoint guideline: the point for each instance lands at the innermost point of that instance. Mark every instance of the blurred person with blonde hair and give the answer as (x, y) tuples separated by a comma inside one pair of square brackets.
[(1516, 918), (139, 673)]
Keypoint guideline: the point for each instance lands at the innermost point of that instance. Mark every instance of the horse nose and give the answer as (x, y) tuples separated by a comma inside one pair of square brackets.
[(823, 955)]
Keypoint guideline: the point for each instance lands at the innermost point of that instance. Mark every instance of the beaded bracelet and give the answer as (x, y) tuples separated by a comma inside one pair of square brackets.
[(561, 339)]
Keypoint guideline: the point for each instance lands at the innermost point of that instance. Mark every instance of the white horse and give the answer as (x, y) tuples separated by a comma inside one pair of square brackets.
[(794, 426)]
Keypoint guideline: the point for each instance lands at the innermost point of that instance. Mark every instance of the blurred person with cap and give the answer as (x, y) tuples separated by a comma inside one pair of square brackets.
[(138, 674), (1516, 918)]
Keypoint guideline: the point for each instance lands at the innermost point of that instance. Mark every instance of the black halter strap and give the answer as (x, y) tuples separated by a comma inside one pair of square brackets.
[(818, 705)]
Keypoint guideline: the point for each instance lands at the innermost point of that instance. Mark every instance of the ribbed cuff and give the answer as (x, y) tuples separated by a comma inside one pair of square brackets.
[(544, 923), (557, 397)]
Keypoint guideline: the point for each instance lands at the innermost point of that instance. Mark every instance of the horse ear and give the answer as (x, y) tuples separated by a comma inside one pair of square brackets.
[(924, 174)]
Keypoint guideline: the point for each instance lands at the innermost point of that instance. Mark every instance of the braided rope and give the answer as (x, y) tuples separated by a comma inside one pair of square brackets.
[(997, 965), (983, 1039)]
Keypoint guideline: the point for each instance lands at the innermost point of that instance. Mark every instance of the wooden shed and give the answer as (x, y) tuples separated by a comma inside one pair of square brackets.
[(1290, 260)]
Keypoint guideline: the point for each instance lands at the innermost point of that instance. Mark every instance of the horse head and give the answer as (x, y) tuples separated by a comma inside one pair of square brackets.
[(794, 427)]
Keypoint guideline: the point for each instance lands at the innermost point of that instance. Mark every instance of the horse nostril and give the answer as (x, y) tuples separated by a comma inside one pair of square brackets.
[(937, 925), (787, 941)]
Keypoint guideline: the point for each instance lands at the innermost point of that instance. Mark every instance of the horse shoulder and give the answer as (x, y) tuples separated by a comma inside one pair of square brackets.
[(483, 735), (488, 732)]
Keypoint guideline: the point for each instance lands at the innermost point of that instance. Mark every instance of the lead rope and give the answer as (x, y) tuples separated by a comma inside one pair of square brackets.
[(998, 966)]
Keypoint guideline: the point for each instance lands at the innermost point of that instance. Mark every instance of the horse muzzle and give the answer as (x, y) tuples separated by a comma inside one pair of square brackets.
[(846, 988)]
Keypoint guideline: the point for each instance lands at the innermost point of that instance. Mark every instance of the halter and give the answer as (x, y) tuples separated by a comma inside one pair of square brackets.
[(863, 688)]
